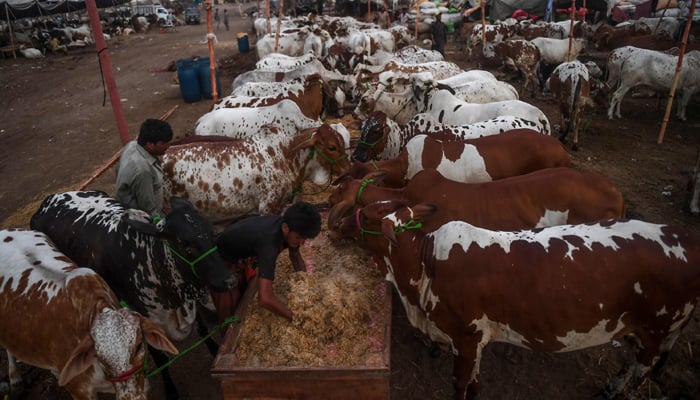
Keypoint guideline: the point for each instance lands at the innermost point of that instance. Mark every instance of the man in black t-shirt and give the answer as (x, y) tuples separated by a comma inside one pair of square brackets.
[(263, 239)]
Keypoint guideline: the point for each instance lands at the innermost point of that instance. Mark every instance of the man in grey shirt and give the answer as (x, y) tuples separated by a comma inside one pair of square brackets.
[(140, 174)]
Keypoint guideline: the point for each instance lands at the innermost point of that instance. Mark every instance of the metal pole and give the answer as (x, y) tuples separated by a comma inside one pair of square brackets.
[(106, 66), (678, 72)]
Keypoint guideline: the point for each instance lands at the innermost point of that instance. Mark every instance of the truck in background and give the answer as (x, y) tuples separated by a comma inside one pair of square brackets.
[(163, 16)]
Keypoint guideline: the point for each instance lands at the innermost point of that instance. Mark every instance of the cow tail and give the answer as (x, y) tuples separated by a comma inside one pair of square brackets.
[(576, 92)]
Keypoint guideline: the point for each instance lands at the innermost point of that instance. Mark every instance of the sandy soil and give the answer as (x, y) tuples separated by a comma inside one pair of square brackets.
[(57, 128)]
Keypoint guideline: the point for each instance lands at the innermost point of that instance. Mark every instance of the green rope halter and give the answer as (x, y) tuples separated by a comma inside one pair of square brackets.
[(363, 185), (193, 262)]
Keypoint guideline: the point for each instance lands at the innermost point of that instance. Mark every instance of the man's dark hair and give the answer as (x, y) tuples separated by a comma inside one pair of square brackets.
[(155, 130), (304, 219)]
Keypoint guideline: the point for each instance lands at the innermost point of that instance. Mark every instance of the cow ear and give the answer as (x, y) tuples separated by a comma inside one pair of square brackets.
[(388, 231), (79, 361), (155, 336), (141, 226)]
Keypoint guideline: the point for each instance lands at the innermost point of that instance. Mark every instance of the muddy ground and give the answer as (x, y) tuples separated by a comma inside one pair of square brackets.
[(57, 128)]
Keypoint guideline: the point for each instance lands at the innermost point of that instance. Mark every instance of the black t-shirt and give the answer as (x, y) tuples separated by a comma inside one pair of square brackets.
[(259, 237)]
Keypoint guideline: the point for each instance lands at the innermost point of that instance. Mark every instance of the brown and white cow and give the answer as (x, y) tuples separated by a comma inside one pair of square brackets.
[(231, 179), (66, 319), (315, 98), (571, 84), (554, 289), (547, 197), (476, 160), (520, 55), (494, 33)]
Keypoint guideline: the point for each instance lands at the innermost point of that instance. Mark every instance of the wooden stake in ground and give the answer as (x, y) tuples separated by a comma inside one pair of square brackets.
[(267, 16), (681, 53), (415, 20), (212, 57), (571, 30), (279, 25), (483, 25)]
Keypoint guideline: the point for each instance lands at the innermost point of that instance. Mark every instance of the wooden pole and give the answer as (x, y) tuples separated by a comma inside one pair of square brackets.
[(482, 3), (571, 29), (663, 13), (106, 64), (368, 11), (279, 25), (12, 34), (415, 20), (212, 57), (267, 16), (116, 156), (681, 53)]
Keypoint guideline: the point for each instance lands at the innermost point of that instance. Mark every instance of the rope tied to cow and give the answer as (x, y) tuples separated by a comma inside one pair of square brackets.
[(228, 321), (193, 262), (363, 185)]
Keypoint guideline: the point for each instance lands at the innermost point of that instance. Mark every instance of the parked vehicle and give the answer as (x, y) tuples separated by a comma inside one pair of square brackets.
[(163, 16), (192, 16)]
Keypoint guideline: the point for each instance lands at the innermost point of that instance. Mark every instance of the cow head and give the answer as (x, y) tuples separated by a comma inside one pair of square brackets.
[(326, 151), (190, 239), (373, 138)]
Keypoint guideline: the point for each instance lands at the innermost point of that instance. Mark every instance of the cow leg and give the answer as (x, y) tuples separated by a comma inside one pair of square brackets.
[(15, 385), (466, 366), (616, 100), (160, 359)]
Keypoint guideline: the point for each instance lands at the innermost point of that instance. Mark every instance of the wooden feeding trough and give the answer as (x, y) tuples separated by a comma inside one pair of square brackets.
[(241, 378)]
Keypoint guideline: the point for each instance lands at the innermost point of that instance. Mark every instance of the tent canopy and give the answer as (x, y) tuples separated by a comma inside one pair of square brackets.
[(502, 9), (18, 9)]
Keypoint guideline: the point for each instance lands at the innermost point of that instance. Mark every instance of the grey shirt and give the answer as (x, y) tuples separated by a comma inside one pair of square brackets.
[(140, 180)]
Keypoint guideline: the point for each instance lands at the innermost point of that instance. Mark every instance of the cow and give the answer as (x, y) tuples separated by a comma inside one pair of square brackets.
[(411, 54), (522, 56), (656, 71), (464, 286), (315, 98), (400, 98), (546, 197), (382, 138), (446, 108), (293, 42), (494, 33), (556, 51), (245, 122), (570, 84), (160, 270), (304, 70), (257, 175), (64, 318), (476, 160)]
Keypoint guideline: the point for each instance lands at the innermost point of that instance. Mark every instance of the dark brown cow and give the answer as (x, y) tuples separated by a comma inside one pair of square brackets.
[(470, 161), (555, 289), (548, 197)]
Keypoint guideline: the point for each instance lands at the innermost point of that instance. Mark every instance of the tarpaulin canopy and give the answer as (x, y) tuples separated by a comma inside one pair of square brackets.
[(502, 9), (18, 9)]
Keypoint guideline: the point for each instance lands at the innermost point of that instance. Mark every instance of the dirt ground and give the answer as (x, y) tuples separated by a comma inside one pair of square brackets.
[(57, 127)]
